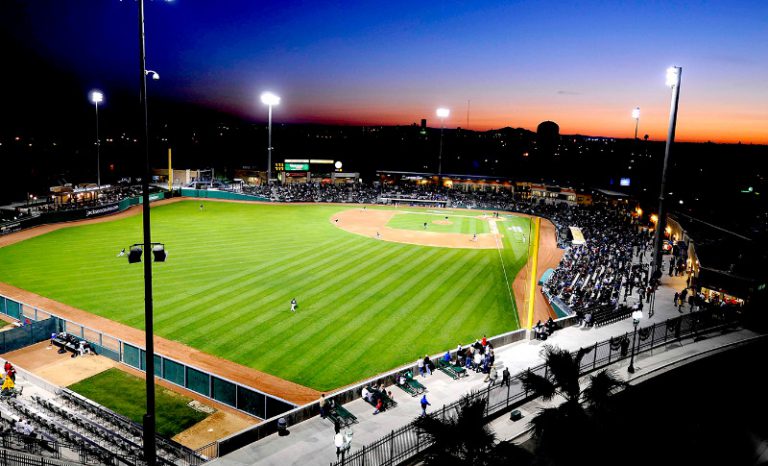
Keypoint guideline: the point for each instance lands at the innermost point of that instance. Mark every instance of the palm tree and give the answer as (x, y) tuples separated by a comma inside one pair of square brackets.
[(465, 439), (563, 430)]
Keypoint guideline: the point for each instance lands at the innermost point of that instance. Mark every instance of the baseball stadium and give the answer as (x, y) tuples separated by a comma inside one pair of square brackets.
[(354, 236), (432, 278)]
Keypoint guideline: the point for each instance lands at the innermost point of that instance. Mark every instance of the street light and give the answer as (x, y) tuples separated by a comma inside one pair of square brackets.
[(673, 80), (269, 99), (442, 113), (154, 74), (636, 316), (96, 98), (636, 116)]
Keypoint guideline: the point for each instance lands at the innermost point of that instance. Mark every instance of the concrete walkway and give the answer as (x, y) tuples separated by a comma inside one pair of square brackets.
[(311, 442)]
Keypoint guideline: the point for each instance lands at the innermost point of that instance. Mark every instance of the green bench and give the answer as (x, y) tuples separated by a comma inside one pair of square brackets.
[(411, 386), (385, 399), (340, 414), (453, 371)]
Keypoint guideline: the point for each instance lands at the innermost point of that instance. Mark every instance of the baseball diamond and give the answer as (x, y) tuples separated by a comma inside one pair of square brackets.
[(365, 305)]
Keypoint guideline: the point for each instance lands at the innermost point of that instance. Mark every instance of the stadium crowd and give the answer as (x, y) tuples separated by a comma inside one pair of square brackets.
[(595, 274)]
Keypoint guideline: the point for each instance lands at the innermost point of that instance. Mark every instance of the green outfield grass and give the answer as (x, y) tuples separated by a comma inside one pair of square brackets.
[(365, 305), (125, 394), (461, 222)]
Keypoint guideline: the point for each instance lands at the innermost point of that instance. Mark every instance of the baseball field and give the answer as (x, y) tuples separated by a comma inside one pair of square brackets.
[(367, 302)]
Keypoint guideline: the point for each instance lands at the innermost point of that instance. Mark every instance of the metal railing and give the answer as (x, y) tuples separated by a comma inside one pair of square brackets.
[(401, 444)]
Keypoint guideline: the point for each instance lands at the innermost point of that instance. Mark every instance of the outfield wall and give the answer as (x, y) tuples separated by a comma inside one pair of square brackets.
[(243, 398), (216, 194), (75, 214)]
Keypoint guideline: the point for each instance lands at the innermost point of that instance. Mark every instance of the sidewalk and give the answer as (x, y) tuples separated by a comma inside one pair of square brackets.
[(311, 442)]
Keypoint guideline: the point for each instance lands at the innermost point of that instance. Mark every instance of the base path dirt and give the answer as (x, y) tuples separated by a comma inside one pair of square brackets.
[(373, 224)]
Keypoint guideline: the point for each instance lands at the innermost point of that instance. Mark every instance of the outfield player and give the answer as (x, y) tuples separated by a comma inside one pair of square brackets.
[(293, 305)]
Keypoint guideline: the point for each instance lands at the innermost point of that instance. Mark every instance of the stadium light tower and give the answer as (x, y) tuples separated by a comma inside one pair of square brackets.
[(150, 452), (96, 98), (442, 113), (636, 116), (673, 80), (269, 99)]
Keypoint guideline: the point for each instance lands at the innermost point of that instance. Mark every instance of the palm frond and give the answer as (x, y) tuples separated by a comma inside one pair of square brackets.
[(601, 386), (564, 370), (538, 385)]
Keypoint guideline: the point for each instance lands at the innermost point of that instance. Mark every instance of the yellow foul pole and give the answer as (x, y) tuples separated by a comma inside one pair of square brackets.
[(170, 171), (534, 264)]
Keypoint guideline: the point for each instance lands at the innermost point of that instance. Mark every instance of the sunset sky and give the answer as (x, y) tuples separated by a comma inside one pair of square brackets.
[(583, 64)]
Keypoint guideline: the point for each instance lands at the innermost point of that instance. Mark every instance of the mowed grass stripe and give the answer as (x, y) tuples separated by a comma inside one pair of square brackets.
[(329, 323), (333, 313), (233, 268), (269, 308), (369, 336), (234, 293), (399, 343)]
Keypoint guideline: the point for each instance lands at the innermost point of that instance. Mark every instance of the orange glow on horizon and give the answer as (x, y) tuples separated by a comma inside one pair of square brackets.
[(692, 125)]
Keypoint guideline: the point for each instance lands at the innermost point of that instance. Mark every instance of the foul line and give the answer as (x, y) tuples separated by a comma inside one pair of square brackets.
[(504, 268), (534, 265)]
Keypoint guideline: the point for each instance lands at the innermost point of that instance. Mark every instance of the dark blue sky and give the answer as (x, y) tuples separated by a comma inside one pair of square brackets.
[(584, 64)]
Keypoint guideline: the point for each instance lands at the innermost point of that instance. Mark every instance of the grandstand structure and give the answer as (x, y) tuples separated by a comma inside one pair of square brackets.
[(73, 430)]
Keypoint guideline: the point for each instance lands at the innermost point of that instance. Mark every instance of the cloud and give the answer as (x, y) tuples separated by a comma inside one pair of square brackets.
[(568, 93)]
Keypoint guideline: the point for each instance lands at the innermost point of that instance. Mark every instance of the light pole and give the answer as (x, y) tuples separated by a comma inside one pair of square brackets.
[(269, 99), (636, 316), (673, 80), (96, 98), (442, 113), (150, 453), (636, 116)]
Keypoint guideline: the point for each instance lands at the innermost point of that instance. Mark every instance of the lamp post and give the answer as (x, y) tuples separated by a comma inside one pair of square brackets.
[(442, 113), (636, 316), (636, 116), (96, 98), (150, 453), (269, 99), (673, 80)]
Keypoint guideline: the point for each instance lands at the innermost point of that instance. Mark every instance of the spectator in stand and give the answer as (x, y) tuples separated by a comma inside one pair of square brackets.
[(428, 365), (420, 365)]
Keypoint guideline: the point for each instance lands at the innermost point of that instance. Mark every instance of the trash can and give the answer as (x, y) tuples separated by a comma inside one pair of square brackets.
[(282, 427)]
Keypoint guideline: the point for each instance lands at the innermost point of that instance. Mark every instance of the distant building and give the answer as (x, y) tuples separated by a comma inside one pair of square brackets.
[(553, 194), (548, 130), (548, 137)]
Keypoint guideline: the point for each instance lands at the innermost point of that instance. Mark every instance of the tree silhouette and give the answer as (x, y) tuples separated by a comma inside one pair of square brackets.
[(465, 439), (562, 431)]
